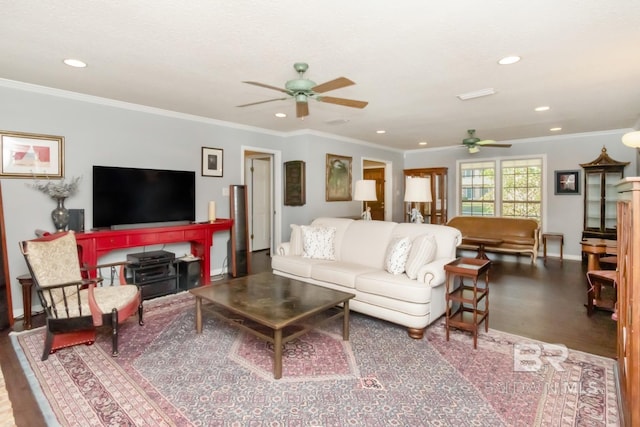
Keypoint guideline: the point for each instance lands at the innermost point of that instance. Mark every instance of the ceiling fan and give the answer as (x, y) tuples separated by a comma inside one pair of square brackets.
[(302, 90), (473, 143)]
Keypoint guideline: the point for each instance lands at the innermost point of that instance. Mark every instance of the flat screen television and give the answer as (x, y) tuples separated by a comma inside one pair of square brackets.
[(129, 197)]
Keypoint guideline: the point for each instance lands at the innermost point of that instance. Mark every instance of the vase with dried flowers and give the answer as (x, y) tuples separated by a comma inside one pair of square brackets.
[(59, 191)]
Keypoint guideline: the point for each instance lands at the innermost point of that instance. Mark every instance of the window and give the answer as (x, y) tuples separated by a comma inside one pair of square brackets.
[(478, 188), (519, 184)]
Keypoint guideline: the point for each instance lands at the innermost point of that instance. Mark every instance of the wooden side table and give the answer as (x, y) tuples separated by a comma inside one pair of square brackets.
[(482, 242), (26, 282), (551, 236), (469, 313)]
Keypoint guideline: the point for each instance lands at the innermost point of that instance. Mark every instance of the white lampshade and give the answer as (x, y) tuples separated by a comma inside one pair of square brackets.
[(365, 190), (632, 139), (417, 190)]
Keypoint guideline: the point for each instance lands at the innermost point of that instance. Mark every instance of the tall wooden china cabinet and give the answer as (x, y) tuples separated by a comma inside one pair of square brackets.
[(629, 288), (600, 178), (434, 212)]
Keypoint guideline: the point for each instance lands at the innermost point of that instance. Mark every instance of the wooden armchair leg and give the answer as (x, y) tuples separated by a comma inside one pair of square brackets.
[(140, 321), (114, 332), (48, 344)]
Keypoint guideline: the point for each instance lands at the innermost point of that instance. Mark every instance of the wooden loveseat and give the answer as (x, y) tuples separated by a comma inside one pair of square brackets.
[(518, 235)]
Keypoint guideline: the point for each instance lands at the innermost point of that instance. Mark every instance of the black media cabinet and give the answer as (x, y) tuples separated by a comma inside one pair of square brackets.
[(154, 272)]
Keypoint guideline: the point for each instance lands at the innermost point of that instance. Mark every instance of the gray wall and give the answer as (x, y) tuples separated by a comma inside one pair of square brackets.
[(562, 213), (102, 132)]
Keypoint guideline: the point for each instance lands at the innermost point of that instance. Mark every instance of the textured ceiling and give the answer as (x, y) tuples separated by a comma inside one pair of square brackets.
[(409, 59)]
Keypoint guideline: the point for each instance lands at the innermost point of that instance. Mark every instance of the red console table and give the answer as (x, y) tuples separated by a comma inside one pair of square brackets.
[(94, 244)]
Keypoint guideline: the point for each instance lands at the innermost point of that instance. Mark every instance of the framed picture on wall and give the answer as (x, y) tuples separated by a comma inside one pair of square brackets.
[(294, 183), (212, 161), (30, 155), (567, 182), (338, 178)]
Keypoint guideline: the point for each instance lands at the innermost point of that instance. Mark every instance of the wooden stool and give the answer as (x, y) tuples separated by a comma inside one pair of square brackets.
[(550, 235)]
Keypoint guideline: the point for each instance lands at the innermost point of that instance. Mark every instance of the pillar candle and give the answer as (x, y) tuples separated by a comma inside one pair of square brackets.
[(212, 211)]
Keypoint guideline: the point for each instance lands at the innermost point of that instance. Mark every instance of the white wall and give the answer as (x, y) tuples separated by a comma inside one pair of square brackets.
[(562, 213), (102, 132)]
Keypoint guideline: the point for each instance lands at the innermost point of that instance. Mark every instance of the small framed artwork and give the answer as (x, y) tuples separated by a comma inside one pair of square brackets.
[(294, 183), (30, 155), (338, 178), (567, 182), (212, 161)]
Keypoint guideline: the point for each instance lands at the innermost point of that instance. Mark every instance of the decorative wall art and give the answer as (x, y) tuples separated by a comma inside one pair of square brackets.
[(338, 179), (30, 155), (212, 161), (294, 183), (567, 182)]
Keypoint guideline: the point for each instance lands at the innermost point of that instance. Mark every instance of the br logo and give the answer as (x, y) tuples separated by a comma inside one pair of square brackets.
[(532, 357)]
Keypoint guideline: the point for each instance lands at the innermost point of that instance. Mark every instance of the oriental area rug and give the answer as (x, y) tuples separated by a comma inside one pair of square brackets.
[(167, 375)]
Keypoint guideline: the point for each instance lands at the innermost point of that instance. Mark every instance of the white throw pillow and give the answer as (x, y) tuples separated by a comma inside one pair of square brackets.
[(397, 253), (295, 242), (318, 242), (423, 251)]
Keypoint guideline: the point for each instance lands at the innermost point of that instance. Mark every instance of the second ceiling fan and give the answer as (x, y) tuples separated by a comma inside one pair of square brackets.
[(302, 89), (473, 144)]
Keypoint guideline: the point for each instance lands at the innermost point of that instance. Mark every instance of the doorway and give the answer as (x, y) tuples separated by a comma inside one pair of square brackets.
[(262, 176), (377, 171)]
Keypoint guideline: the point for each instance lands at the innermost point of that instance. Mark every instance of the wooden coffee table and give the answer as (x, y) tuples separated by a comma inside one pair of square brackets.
[(286, 307)]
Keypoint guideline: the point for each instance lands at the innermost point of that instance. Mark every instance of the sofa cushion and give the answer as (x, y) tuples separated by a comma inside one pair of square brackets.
[(296, 265), (341, 225), (397, 254), (340, 273), (366, 242), (398, 288), (318, 242), (295, 242), (423, 251)]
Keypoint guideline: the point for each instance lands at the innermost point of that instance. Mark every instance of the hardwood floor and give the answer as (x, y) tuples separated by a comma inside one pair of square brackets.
[(543, 302)]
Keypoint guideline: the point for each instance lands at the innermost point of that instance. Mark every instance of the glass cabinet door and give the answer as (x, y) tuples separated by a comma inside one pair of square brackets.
[(600, 196), (593, 198)]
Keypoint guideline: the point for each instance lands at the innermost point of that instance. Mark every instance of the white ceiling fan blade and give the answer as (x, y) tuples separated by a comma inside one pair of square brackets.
[(485, 142)]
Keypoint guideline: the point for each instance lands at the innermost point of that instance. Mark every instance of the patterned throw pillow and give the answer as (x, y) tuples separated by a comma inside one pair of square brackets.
[(295, 242), (397, 253), (318, 242), (423, 251)]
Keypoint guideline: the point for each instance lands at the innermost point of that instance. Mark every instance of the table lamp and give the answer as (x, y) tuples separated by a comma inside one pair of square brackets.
[(365, 191), (417, 190)]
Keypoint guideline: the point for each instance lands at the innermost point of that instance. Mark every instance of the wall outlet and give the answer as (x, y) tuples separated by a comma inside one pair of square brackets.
[(225, 191)]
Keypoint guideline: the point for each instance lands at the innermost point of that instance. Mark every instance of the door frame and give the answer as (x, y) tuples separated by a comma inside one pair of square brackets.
[(276, 184), (388, 183)]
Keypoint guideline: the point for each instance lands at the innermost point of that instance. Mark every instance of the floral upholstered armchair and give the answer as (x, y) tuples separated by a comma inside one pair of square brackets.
[(75, 305)]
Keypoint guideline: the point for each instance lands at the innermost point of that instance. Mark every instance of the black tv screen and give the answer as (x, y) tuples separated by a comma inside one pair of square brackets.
[(129, 196)]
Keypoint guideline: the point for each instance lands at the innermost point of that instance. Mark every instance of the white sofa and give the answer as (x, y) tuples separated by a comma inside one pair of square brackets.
[(360, 267)]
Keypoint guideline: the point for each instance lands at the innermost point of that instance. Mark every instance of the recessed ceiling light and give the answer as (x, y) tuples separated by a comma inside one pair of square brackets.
[(280, 115), (76, 63), (555, 129), (422, 143), (508, 60), (543, 108), (476, 94), (381, 131)]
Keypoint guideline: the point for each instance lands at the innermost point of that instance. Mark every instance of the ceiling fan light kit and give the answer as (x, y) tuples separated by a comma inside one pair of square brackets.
[(472, 142), (302, 89)]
